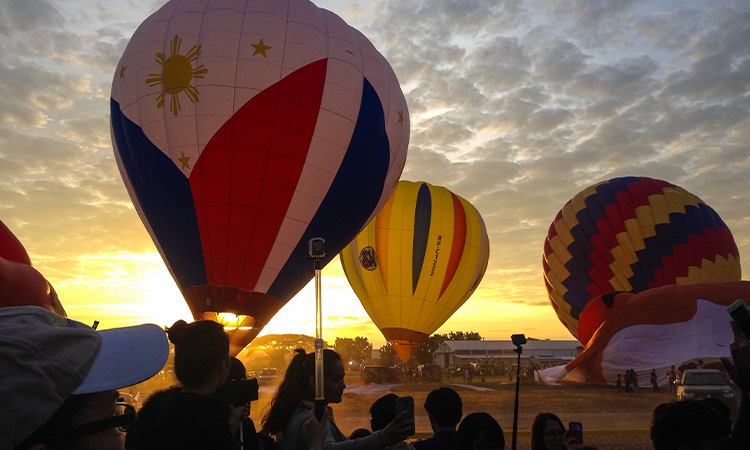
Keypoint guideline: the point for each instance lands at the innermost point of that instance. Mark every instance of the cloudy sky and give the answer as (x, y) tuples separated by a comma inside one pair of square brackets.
[(515, 105)]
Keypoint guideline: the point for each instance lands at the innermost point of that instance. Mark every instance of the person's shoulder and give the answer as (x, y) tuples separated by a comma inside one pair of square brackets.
[(423, 444)]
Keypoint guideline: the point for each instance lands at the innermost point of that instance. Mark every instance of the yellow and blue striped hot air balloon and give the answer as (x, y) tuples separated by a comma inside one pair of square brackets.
[(417, 262), (631, 234)]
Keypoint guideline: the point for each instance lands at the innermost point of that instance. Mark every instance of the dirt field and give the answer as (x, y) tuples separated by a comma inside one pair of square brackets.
[(598, 408)]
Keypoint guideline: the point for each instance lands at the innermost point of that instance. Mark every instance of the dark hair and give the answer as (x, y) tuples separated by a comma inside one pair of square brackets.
[(236, 370), (294, 388), (444, 405), (687, 423), (199, 348), (537, 429), (382, 411), (359, 433), (476, 423)]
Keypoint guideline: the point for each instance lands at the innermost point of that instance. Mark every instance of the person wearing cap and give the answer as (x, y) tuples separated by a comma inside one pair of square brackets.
[(59, 379)]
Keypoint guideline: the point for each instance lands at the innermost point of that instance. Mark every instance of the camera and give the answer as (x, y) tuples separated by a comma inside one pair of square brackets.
[(317, 247), (518, 339), (239, 392)]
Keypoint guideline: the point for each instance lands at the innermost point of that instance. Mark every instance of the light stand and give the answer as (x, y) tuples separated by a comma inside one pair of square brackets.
[(317, 250), (518, 340)]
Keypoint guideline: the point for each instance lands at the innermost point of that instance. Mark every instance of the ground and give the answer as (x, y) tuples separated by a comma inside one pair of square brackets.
[(598, 408)]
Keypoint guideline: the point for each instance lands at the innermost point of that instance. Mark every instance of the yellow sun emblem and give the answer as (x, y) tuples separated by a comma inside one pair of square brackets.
[(176, 75)]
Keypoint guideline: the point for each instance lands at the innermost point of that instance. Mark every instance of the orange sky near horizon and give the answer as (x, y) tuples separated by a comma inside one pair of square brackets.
[(124, 290)]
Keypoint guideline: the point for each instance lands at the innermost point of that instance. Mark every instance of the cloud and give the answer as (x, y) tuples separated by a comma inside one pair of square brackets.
[(515, 106)]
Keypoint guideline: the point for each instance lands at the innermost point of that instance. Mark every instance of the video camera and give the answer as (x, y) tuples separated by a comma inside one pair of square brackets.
[(239, 392)]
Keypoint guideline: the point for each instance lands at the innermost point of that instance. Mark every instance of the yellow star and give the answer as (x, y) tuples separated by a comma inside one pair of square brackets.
[(184, 160), (401, 117), (261, 48), (122, 71)]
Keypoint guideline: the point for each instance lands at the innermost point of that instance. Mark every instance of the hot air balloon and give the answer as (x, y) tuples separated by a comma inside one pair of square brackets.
[(20, 283), (244, 128), (632, 234), (417, 262), (653, 329)]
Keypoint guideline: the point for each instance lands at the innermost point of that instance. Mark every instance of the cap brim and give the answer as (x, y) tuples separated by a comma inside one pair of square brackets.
[(128, 356)]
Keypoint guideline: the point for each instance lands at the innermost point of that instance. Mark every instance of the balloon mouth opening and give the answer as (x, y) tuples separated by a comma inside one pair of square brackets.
[(405, 342)]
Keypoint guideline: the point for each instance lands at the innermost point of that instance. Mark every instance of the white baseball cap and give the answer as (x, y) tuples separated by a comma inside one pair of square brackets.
[(45, 358)]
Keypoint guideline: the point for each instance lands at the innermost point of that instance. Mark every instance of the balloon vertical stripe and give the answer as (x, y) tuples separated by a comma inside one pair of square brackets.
[(459, 241), (367, 154), (422, 216), (240, 214)]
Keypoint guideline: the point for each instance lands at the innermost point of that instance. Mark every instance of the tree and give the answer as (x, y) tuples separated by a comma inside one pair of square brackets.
[(388, 356), (280, 347), (461, 336), (424, 352), (356, 350)]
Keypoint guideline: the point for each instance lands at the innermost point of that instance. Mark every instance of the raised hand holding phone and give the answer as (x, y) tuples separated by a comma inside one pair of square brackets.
[(741, 316), (575, 430)]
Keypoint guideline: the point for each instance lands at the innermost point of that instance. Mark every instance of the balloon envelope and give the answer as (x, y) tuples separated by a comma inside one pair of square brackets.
[(631, 234), (244, 128), (655, 329), (417, 262)]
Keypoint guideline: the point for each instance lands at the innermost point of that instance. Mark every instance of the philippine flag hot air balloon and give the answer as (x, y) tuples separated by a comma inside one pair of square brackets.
[(244, 128), (417, 262), (632, 234)]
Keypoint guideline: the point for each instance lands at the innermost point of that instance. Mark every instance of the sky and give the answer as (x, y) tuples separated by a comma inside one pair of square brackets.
[(514, 105)]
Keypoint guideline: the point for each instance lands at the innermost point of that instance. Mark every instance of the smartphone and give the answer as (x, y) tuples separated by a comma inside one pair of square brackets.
[(741, 316), (406, 403), (575, 429)]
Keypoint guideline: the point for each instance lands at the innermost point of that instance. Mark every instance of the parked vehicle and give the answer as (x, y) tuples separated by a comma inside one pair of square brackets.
[(268, 376), (376, 374), (703, 383)]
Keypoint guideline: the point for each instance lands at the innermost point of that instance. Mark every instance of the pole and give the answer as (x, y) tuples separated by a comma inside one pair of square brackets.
[(316, 252), (319, 378), (515, 409)]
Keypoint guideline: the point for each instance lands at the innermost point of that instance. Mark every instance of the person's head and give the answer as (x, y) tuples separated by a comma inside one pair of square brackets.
[(382, 411), (480, 431), (690, 425), (299, 385), (201, 353), (444, 408), (359, 433), (236, 370), (547, 432), (59, 379), (300, 376)]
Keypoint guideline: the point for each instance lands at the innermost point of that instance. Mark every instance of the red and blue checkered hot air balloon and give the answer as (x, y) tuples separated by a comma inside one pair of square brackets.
[(244, 128), (631, 234)]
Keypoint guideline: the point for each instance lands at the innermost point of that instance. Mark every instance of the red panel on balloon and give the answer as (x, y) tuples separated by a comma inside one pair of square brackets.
[(251, 126)]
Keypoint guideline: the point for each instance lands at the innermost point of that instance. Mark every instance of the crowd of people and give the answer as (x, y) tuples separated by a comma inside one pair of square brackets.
[(59, 381)]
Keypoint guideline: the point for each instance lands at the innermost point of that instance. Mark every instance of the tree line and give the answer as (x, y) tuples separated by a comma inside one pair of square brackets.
[(276, 350)]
